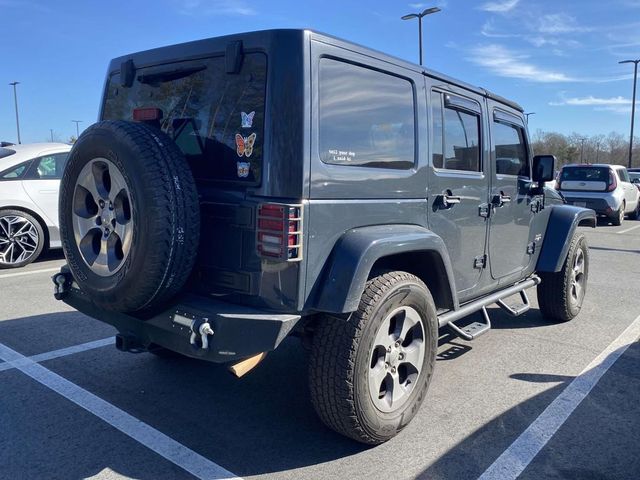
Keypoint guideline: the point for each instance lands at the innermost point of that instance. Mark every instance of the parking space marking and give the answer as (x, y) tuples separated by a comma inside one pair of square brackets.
[(146, 435), (30, 272), (63, 352), (628, 229), (522, 451)]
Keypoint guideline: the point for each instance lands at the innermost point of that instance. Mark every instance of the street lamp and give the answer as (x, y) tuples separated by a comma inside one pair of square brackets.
[(581, 148), (419, 16), (77, 130), (633, 104), (15, 101), (527, 115)]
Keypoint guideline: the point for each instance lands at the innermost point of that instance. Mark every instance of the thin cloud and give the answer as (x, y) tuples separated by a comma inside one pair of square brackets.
[(590, 100), (506, 63), (216, 7), (500, 6), (560, 23)]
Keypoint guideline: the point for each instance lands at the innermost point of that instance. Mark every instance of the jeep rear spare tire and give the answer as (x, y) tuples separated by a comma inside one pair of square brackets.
[(129, 216)]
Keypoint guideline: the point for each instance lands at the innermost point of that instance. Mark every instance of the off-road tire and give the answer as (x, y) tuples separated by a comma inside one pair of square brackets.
[(341, 352), (164, 208), (39, 230), (554, 292), (619, 216)]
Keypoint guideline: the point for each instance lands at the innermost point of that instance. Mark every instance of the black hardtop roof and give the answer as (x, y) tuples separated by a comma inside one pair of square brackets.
[(204, 46)]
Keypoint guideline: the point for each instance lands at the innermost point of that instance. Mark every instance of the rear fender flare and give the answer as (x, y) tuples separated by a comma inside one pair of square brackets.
[(357, 251)]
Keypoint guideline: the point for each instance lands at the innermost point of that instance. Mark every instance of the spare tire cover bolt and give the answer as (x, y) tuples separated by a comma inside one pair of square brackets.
[(101, 203), (110, 205)]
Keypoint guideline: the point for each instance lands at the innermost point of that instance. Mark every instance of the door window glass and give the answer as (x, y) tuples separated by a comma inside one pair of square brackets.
[(461, 140), (511, 151), (366, 117), (437, 148)]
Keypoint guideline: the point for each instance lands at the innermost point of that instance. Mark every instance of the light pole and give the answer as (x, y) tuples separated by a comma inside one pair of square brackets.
[(15, 100), (419, 16), (527, 115), (51, 130), (581, 148), (633, 103), (77, 130)]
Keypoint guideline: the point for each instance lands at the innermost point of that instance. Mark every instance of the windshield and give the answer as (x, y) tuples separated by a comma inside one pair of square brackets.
[(215, 118)]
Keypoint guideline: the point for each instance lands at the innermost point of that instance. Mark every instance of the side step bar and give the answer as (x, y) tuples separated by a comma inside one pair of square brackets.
[(476, 329)]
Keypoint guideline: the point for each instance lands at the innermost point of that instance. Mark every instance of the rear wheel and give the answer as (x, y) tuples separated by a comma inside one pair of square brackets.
[(369, 373), (21, 238), (619, 217), (636, 213), (129, 216), (560, 294)]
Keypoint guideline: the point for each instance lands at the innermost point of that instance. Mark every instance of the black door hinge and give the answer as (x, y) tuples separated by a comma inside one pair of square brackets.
[(531, 248), (536, 205), (480, 262), (484, 210)]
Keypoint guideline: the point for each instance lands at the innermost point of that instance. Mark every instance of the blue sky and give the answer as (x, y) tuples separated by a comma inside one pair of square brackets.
[(558, 59)]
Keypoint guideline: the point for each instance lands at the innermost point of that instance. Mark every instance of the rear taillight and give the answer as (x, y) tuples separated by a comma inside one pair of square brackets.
[(613, 183), (279, 231)]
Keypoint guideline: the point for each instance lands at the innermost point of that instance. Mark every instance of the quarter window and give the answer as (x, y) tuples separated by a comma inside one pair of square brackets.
[(48, 167), (366, 117), (511, 151), (455, 138), (15, 172)]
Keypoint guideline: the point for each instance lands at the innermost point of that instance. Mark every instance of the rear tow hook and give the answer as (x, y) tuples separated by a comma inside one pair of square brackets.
[(199, 327)]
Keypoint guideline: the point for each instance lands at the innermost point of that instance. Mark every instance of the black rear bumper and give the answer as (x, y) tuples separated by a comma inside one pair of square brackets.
[(238, 331)]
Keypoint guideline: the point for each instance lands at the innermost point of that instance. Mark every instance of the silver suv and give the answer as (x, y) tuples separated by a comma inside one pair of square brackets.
[(607, 189)]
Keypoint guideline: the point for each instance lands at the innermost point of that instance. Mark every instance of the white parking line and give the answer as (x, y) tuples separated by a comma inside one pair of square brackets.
[(628, 229), (30, 272), (63, 352), (148, 436), (522, 451)]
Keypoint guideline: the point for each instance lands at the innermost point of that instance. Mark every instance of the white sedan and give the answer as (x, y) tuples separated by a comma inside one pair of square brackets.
[(29, 184)]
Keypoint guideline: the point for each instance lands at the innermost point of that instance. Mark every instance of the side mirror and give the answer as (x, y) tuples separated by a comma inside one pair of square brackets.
[(543, 168)]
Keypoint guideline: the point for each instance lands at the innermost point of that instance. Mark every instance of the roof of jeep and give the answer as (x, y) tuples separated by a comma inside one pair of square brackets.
[(200, 46)]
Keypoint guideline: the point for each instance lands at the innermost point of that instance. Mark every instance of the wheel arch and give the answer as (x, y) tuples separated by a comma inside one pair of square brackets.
[(360, 251)]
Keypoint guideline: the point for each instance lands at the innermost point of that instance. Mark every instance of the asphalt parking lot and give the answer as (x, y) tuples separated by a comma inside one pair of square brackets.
[(528, 398)]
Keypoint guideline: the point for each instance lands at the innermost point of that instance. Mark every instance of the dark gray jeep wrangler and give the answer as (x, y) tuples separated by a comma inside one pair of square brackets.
[(244, 188)]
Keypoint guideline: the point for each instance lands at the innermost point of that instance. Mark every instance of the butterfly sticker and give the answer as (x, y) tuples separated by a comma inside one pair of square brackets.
[(244, 145), (247, 119), (243, 169)]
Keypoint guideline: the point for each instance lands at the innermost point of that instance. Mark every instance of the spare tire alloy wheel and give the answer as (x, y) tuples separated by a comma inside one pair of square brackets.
[(102, 220), (21, 239)]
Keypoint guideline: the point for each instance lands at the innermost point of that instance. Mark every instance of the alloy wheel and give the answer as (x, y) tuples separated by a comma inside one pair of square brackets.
[(397, 358), (578, 277), (102, 217), (19, 239)]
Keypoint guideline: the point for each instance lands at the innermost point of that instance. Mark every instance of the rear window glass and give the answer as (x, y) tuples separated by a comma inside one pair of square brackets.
[(215, 118), (585, 174), (366, 117)]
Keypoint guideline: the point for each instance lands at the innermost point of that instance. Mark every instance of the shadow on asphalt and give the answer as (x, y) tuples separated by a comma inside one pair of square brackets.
[(259, 424), (598, 441), (54, 254)]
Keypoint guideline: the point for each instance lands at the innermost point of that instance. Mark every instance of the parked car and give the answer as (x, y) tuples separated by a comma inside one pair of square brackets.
[(340, 195), (29, 185), (606, 189), (635, 178)]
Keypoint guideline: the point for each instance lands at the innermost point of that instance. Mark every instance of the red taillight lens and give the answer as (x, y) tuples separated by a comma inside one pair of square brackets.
[(146, 114), (279, 232), (613, 182)]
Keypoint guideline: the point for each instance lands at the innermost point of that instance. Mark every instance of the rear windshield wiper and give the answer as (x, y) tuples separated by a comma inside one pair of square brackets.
[(162, 76)]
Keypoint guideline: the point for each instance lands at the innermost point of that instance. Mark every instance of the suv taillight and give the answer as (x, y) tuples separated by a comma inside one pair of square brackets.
[(279, 231), (613, 183)]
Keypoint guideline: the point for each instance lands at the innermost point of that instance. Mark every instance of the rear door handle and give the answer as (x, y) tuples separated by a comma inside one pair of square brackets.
[(500, 200), (448, 200)]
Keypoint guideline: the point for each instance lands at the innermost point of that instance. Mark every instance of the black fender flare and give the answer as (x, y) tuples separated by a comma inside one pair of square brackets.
[(358, 249), (563, 221)]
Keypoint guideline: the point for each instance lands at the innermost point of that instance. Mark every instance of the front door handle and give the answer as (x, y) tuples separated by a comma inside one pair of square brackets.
[(500, 200)]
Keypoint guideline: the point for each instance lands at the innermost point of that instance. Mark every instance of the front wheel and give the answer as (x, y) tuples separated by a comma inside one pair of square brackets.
[(369, 373), (560, 294), (21, 239)]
